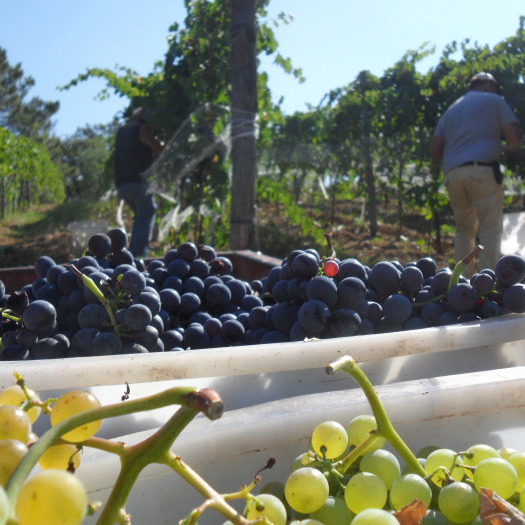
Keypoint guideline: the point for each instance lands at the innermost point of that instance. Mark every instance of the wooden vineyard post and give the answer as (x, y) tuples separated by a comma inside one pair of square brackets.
[(244, 111)]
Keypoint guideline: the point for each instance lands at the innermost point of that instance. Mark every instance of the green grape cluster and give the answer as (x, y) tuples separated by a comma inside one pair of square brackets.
[(348, 476), (53, 495)]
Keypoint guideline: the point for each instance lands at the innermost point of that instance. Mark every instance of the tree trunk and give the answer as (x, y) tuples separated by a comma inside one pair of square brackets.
[(370, 185), (3, 198), (244, 110), (369, 168), (435, 211), (399, 199), (437, 229)]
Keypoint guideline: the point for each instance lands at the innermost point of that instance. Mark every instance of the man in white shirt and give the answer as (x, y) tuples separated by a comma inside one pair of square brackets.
[(467, 142)]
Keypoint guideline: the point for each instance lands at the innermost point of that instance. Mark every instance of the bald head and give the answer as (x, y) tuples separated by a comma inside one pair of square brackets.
[(483, 82)]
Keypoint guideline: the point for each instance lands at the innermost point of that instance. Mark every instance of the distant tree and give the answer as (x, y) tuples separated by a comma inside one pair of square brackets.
[(28, 175), (19, 115), (84, 156), (296, 150), (401, 132), (351, 132)]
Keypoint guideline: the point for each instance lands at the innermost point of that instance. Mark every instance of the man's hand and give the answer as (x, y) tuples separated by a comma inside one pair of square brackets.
[(437, 146), (512, 135), (148, 138)]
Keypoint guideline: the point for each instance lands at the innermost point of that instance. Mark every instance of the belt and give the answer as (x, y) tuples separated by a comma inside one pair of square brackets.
[(475, 163)]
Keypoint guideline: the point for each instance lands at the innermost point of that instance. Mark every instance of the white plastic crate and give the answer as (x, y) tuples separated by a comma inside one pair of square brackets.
[(247, 375), (452, 411)]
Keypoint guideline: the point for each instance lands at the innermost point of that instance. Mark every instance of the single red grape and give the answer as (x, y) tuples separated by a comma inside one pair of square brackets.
[(331, 268)]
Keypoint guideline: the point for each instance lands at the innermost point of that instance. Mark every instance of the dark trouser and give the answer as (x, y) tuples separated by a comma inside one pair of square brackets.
[(143, 204)]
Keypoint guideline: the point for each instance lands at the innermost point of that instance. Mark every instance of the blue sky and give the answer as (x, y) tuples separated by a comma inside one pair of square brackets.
[(331, 40)]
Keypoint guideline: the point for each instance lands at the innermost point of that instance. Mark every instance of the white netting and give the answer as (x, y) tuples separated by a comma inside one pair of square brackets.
[(204, 134), (173, 220)]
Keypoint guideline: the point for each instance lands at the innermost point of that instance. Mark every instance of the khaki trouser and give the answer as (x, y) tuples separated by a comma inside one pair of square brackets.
[(477, 203)]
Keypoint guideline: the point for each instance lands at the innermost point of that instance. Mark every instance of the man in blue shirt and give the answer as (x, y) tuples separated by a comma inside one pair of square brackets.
[(135, 145), (467, 143)]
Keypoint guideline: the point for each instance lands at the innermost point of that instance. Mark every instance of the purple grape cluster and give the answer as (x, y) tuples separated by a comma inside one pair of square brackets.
[(187, 299), (190, 299), (387, 297)]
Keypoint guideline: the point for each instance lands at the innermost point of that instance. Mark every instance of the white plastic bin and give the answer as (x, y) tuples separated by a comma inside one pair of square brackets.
[(453, 411), (247, 375)]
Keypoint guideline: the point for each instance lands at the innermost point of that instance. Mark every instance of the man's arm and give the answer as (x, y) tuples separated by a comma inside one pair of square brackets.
[(511, 134), (437, 146), (148, 138)]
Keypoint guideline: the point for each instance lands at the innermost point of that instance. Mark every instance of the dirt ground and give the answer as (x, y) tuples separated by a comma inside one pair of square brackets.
[(18, 249), (351, 237), (21, 246)]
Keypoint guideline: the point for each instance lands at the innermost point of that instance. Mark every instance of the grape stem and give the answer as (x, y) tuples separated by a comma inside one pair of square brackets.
[(462, 265), (459, 268), (89, 283), (154, 449), (328, 237), (384, 425), (357, 452), (30, 402), (8, 315), (214, 500), (118, 448), (433, 300)]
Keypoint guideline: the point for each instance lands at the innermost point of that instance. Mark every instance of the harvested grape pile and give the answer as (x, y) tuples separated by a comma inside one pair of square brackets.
[(108, 303)]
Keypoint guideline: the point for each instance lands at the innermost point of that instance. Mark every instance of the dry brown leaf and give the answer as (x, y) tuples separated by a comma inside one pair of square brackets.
[(411, 514), (494, 510)]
